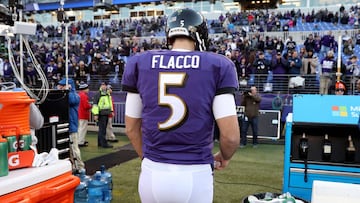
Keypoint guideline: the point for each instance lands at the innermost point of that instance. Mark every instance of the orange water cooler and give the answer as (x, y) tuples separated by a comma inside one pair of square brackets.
[(15, 122), (51, 183), (24, 183)]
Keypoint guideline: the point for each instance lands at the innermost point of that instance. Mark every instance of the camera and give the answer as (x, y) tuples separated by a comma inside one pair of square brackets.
[(246, 92)]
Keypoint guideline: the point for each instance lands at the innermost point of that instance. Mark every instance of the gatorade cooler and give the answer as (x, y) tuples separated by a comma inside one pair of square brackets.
[(51, 183), (15, 123), (15, 111)]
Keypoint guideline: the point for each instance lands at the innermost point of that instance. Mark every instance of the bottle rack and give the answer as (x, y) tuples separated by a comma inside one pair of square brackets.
[(338, 135)]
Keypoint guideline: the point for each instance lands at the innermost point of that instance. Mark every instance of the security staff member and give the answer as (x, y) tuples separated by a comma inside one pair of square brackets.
[(101, 110)]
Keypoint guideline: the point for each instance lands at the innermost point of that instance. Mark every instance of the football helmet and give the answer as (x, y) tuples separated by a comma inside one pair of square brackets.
[(189, 23)]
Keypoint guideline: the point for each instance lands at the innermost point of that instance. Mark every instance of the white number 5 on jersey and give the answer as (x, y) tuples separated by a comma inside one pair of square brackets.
[(174, 102)]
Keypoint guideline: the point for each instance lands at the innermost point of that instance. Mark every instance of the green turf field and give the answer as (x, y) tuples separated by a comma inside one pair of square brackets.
[(251, 171)]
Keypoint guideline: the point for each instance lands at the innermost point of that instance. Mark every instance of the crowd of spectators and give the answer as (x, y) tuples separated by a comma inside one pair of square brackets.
[(260, 20), (92, 52)]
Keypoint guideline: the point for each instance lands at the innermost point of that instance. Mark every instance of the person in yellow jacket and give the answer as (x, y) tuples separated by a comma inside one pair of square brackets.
[(102, 108)]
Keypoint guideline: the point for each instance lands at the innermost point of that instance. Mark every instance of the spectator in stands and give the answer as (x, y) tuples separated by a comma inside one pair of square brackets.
[(228, 55), (278, 65), (309, 63), (222, 50), (286, 27), (335, 19), (221, 18), (270, 25), (279, 45), (277, 24), (294, 63), (345, 36), (254, 42), (327, 43), (344, 19), (328, 65), (84, 113), (231, 44), (261, 44), (81, 72), (250, 18), (60, 70), (51, 72), (243, 70), (124, 51), (348, 47), (353, 69), (30, 75), (244, 46), (302, 52), (237, 55), (279, 69), (261, 65), (317, 47), (7, 70), (155, 44), (84, 57), (110, 136), (309, 42), (290, 44), (88, 45), (269, 45), (261, 68), (309, 18), (94, 67), (340, 88)]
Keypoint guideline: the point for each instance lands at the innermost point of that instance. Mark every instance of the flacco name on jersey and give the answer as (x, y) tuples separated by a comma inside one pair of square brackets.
[(175, 62)]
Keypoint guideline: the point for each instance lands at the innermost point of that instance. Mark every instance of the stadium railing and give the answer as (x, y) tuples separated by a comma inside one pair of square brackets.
[(280, 85)]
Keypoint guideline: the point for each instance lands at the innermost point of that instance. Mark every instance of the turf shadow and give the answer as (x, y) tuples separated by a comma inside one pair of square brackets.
[(123, 154)]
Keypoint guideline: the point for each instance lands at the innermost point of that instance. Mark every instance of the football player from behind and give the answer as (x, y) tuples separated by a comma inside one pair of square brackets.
[(172, 99)]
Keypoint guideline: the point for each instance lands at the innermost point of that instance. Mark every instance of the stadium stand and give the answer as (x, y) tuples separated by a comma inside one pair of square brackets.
[(104, 46)]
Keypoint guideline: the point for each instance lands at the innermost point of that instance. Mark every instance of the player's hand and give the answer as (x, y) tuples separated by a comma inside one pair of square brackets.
[(219, 162), (96, 118)]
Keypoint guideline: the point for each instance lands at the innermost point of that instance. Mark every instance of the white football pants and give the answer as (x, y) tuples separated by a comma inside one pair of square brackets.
[(174, 183)]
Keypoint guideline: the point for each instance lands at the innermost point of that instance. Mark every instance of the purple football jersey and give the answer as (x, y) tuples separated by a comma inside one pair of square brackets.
[(177, 91)]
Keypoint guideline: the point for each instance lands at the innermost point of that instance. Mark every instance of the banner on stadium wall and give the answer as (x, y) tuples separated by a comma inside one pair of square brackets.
[(327, 109)]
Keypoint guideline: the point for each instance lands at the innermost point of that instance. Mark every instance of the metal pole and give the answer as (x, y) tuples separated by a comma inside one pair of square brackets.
[(21, 49), (339, 59), (66, 53), (64, 22)]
